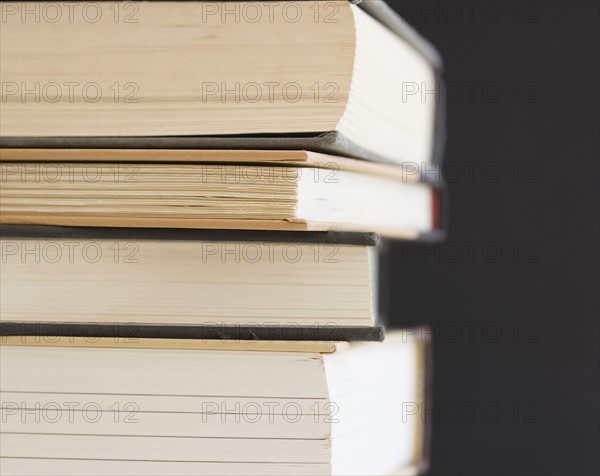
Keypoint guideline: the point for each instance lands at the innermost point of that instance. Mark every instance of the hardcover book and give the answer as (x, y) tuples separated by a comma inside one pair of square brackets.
[(338, 77), (172, 408), (198, 284)]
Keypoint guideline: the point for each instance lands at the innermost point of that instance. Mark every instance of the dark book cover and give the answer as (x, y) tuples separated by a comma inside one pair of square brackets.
[(184, 234), (237, 333)]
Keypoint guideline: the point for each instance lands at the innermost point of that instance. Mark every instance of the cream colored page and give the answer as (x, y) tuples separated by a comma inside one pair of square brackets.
[(174, 68)]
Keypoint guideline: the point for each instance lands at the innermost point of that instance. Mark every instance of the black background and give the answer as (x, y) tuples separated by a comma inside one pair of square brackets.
[(517, 333)]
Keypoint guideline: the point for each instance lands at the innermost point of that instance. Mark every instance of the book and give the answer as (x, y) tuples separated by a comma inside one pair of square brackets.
[(192, 196), (331, 76), (261, 190), (296, 285), (108, 407)]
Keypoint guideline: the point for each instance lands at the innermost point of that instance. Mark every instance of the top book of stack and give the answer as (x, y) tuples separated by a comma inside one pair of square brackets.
[(335, 77)]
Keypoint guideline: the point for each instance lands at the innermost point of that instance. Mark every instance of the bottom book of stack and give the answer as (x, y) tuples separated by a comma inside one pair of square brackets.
[(74, 405)]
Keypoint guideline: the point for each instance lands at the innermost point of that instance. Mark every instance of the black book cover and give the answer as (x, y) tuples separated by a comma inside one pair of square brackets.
[(182, 234), (242, 333)]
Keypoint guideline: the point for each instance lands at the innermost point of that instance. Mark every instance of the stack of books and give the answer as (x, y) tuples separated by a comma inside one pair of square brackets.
[(192, 195)]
